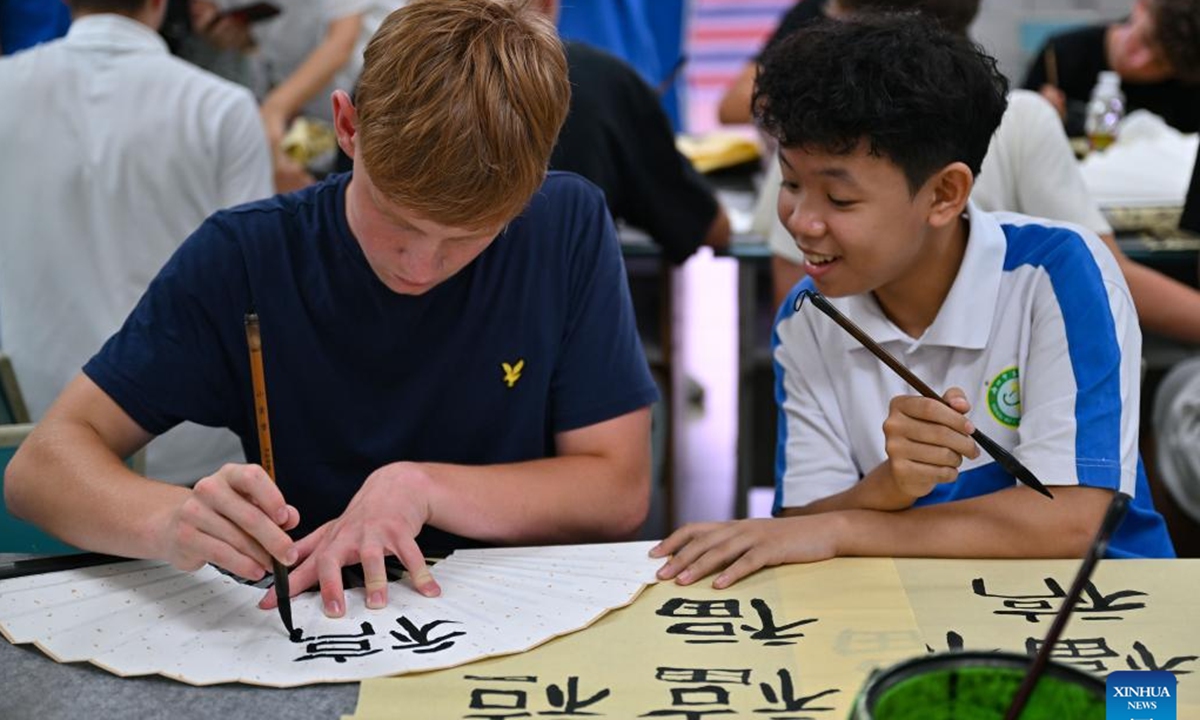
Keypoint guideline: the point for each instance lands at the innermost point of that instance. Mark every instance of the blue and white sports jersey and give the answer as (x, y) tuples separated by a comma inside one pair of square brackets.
[(1040, 332)]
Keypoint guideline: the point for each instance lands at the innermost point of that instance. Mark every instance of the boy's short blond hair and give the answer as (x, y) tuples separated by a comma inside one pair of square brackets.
[(459, 105)]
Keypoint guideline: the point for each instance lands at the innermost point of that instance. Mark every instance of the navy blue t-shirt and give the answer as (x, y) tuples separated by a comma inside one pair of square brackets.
[(358, 376)]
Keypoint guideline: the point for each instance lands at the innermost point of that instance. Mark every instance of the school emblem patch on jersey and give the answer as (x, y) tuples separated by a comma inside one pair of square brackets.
[(512, 373), (1004, 398)]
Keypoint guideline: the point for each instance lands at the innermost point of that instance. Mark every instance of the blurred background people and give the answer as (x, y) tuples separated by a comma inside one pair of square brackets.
[(114, 152), (618, 136), (1155, 51), (298, 58)]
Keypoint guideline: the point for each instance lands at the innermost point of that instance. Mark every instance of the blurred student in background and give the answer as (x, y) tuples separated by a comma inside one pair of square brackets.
[(1156, 51), (618, 136), (300, 56), (99, 187), (1029, 168)]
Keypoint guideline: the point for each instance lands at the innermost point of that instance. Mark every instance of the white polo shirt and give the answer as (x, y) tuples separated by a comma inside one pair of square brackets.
[(1039, 331), (114, 152)]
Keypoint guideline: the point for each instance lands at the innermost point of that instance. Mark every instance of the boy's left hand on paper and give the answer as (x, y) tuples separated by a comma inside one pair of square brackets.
[(383, 518), (740, 547)]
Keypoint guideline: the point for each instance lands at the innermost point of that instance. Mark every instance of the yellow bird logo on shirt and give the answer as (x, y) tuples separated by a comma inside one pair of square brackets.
[(512, 373)]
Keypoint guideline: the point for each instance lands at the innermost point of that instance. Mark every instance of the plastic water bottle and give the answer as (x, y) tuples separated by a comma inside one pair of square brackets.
[(1104, 110)]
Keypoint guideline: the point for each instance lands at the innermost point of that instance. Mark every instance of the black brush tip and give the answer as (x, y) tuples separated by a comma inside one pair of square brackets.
[(283, 595), (1010, 463), (1027, 477)]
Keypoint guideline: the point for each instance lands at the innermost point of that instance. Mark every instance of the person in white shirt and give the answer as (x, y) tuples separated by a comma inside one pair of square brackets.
[(1024, 325), (114, 152), (1176, 419), (303, 54), (1029, 168)]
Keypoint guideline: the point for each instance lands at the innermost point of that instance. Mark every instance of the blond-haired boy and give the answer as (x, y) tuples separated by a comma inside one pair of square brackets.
[(448, 341)]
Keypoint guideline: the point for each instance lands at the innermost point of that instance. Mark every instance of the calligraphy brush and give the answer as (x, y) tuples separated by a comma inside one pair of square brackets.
[(990, 446), (1112, 518), (266, 457), (1051, 61)]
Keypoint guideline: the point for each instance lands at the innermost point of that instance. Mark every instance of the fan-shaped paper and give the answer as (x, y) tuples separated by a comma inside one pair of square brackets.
[(141, 618)]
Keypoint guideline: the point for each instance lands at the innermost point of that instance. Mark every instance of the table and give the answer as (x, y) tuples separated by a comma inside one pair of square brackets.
[(34, 687), (1172, 252), (831, 623)]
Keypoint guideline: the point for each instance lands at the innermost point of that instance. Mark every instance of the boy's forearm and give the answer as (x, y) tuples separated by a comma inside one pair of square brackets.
[(65, 480), (1164, 305), (1012, 523), (875, 491), (596, 488), (561, 499), (567, 499)]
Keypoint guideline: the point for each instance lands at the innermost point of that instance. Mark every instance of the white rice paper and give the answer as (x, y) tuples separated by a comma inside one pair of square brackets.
[(202, 628)]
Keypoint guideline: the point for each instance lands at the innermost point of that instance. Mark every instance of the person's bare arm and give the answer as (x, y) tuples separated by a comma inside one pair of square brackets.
[(1164, 305), (68, 478), (317, 70), (1047, 182), (734, 108), (926, 442), (1012, 523), (597, 488)]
